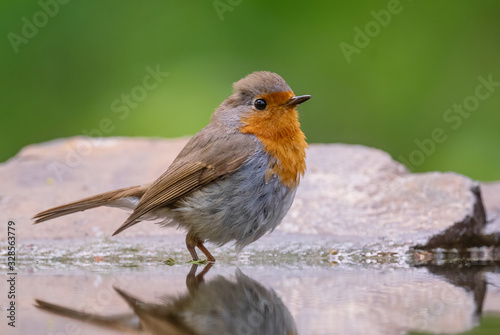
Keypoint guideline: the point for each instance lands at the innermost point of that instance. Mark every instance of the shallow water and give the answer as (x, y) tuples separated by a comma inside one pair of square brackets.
[(77, 292)]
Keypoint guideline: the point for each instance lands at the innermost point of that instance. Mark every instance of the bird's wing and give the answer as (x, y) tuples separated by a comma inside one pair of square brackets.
[(207, 156)]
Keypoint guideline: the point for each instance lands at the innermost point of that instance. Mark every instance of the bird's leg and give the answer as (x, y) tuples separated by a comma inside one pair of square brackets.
[(191, 243), (204, 250)]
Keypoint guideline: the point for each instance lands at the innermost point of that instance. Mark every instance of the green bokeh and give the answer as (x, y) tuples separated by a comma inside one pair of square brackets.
[(489, 325), (394, 92)]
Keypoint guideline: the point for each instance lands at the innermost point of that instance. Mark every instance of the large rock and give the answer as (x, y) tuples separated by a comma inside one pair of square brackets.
[(491, 193), (361, 193), (352, 197)]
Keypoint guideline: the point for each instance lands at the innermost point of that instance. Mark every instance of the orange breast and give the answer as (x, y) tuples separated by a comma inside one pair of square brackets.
[(278, 129)]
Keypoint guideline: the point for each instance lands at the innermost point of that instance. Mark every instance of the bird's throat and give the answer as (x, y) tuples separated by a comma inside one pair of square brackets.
[(279, 132)]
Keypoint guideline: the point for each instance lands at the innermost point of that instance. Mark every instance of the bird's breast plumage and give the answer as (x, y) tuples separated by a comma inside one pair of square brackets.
[(241, 206)]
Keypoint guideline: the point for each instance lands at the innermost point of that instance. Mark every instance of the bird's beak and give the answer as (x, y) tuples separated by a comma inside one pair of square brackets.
[(294, 101)]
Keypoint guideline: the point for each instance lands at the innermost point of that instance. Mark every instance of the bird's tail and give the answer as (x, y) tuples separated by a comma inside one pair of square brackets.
[(112, 198)]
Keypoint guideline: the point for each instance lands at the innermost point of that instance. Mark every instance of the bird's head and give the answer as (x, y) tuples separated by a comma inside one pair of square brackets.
[(264, 105)]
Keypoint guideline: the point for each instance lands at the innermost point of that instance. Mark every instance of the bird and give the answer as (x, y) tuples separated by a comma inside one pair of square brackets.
[(235, 179)]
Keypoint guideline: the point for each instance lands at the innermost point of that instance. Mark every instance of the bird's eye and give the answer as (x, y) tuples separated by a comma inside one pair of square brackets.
[(260, 104)]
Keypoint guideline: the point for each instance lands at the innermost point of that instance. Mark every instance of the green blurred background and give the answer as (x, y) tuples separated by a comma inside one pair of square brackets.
[(394, 91)]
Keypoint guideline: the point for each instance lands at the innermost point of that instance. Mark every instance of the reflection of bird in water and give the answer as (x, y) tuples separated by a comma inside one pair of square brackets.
[(219, 306)]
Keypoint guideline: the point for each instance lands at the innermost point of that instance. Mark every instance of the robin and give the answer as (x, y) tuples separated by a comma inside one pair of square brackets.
[(233, 181)]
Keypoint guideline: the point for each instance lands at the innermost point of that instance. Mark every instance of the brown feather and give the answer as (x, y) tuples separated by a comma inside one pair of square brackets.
[(207, 156), (102, 199)]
